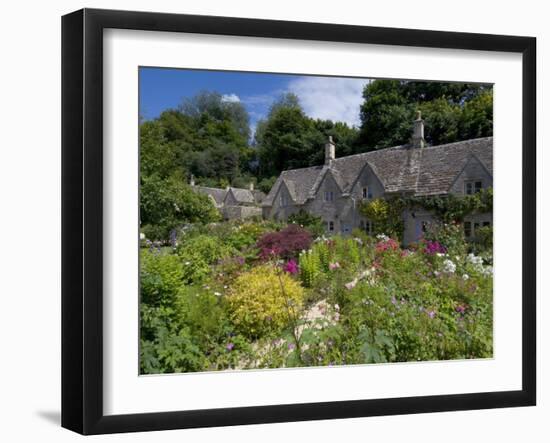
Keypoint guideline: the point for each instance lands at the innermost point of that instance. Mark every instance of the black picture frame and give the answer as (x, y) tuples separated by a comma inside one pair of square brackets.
[(82, 218)]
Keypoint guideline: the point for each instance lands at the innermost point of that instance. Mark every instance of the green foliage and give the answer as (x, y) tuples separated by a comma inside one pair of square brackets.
[(386, 214), (309, 221), (289, 139), (310, 267), (166, 204), (483, 241), (264, 300), (450, 235), (161, 276), (453, 112)]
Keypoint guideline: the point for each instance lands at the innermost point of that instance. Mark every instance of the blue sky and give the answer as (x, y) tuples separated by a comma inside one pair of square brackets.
[(332, 98)]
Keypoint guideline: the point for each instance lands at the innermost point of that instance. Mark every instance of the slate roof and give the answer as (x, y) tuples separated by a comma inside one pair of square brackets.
[(217, 194), (241, 195), (421, 171), (247, 196)]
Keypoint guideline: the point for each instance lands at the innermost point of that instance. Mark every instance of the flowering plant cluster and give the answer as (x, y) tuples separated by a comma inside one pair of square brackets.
[(238, 296)]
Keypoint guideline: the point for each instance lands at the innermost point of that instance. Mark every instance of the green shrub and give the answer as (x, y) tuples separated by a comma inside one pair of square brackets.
[(264, 300), (161, 276), (313, 224), (450, 235)]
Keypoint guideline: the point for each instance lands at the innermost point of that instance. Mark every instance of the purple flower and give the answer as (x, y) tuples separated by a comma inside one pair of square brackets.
[(460, 309), (291, 267), (333, 266), (393, 300), (431, 314), (230, 346), (291, 346), (434, 247)]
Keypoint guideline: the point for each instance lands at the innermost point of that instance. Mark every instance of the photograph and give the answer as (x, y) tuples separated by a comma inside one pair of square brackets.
[(292, 221)]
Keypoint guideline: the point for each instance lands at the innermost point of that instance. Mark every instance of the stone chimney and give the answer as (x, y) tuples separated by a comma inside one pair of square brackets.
[(418, 140), (251, 186), (330, 151), (192, 180)]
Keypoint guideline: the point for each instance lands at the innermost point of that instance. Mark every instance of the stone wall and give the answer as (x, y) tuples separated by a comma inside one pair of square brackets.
[(241, 212)]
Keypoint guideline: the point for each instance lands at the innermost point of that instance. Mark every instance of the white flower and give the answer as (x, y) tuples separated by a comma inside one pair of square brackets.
[(449, 266), (187, 263), (141, 236), (382, 237), (488, 270), (465, 277), (217, 293)]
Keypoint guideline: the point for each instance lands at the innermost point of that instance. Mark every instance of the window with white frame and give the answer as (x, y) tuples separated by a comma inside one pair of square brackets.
[(366, 226), (472, 186), (329, 196)]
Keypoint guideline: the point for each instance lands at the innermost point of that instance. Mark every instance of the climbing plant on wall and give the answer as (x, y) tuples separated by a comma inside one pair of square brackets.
[(386, 213)]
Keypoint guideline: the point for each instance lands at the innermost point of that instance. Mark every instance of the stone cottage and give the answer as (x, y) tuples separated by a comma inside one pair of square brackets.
[(234, 203), (334, 190)]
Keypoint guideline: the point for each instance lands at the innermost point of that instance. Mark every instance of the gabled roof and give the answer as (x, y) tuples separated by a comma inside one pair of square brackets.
[(217, 194), (421, 171), (247, 195)]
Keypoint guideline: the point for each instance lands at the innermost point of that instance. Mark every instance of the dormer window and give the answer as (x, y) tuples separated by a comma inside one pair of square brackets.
[(472, 187), (329, 196), (283, 201), (367, 194)]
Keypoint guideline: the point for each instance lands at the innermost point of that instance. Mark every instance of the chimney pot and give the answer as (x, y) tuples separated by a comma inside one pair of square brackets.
[(418, 140), (330, 151)]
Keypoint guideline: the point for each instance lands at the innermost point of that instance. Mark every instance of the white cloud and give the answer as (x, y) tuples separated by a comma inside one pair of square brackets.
[(232, 98), (330, 98)]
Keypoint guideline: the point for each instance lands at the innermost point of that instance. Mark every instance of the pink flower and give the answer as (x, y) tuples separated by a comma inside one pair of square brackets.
[(291, 267), (230, 346), (349, 286), (333, 266)]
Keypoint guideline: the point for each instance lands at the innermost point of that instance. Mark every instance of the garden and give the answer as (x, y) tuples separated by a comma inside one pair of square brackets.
[(238, 295)]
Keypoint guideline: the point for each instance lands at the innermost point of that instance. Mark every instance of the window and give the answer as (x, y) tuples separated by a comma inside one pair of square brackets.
[(472, 187), (467, 229), (329, 196), (284, 200), (367, 226), (367, 194), (330, 226), (486, 223)]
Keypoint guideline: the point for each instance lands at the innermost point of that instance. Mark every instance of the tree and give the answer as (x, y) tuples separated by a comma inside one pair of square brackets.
[(453, 112), (285, 139), (168, 203)]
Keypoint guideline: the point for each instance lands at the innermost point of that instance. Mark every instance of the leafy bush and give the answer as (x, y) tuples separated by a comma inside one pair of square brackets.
[(448, 235), (309, 221), (264, 300), (206, 247), (167, 203), (161, 276), (286, 243)]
